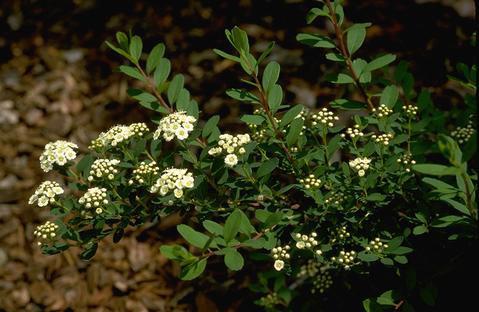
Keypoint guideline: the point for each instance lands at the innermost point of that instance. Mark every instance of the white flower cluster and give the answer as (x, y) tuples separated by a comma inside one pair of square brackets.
[(463, 134), (383, 111), (322, 282), (139, 128), (269, 301), (102, 168), (175, 180), (383, 138), (95, 198), (353, 132), (280, 254), (45, 193), (45, 232), (309, 269), (118, 134), (341, 234), (407, 161), (144, 173), (345, 258), (411, 110), (360, 164), (376, 245), (334, 198), (58, 152), (294, 149), (232, 146), (324, 118), (304, 241), (310, 182), (177, 125)]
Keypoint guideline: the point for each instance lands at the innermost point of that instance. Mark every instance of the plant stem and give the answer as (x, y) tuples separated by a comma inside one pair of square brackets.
[(345, 53), (265, 105)]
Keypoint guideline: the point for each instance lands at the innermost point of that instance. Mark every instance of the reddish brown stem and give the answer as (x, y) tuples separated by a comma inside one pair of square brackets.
[(345, 53)]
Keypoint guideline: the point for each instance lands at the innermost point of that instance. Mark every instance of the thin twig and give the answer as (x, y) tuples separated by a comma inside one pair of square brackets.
[(345, 53)]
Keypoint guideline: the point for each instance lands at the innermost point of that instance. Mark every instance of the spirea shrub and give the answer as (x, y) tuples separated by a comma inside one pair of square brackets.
[(308, 197)]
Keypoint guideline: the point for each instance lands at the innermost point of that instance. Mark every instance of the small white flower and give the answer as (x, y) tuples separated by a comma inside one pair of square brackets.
[(300, 245), (178, 193), (231, 160), (181, 133), (278, 265)]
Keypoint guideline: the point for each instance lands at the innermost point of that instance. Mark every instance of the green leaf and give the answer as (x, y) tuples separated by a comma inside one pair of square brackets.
[(367, 257), (438, 184), (347, 104), (226, 55), (355, 38), (270, 75), (275, 97), (175, 87), (89, 252), (232, 225), (175, 252), (400, 259), (295, 129), (265, 53), (233, 259), (335, 57), (433, 169), (193, 237), (316, 41), (242, 95), (183, 101), (154, 57), (458, 206), (245, 227), (193, 270), (375, 197), (136, 46), (210, 126), (370, 305), (386, 298), (84, 165), (141, 95), (380, 62), (240, 39), (387, 261), (132, 72), (213, 227), (119, 51), (419, 229), (401, 250), (122, 40), (162, 71), (389, 96), (267, 167), (342, 79), (253, 119), (290, 115), (314, 13)]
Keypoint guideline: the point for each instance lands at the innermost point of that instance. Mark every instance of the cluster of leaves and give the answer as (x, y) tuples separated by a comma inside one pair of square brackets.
[(246, 210)]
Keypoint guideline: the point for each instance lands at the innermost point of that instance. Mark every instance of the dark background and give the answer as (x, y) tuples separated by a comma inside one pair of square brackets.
[(57, 80)]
